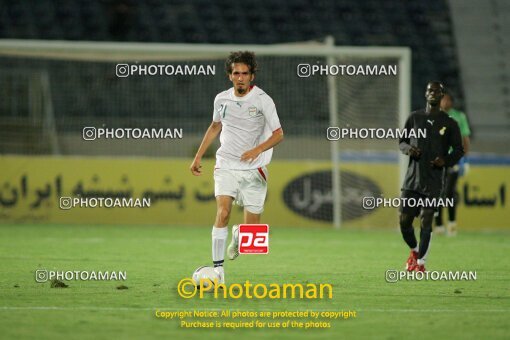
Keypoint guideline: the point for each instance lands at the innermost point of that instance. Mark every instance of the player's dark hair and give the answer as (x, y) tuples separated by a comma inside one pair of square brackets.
[(443, 89), (244, 57)]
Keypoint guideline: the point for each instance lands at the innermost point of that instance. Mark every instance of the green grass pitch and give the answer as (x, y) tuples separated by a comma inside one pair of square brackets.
[(156, 258)]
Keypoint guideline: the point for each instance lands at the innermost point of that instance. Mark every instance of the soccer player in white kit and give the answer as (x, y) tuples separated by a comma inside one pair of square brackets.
[(250, 128)]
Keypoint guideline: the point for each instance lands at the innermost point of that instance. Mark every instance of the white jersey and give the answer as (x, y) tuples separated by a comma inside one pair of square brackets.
[(246, 122)]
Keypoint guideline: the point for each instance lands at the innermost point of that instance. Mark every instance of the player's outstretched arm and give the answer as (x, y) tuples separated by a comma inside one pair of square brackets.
[(272, 141), (210, 135)]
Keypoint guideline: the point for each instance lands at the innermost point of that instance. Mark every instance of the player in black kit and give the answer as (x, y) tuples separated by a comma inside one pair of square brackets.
[(428, 159)]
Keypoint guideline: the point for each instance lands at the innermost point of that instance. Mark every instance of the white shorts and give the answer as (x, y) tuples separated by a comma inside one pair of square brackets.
[(247, 187)]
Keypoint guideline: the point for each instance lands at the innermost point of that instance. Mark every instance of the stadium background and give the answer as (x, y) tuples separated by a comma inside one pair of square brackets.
[(49, 100), (48, 97)]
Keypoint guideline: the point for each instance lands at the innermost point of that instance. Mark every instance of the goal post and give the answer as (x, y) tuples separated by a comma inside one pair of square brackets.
[(81, 89)]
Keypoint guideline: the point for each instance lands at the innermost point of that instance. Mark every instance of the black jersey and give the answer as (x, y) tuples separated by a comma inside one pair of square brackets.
[(442, 134)]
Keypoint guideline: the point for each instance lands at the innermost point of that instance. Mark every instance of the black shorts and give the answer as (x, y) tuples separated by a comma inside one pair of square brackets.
[(412, 210)]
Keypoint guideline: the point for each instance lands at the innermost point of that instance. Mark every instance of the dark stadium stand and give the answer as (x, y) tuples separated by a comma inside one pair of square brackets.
[(425, 26), (82, 91)]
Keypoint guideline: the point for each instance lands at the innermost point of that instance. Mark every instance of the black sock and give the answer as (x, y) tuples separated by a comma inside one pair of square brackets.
[(406, 227), (425, 232), (451, 213), (439, 217), (451, 192)]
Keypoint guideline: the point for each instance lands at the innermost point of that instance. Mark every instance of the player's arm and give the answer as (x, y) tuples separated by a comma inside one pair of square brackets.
[(210, 135), (455, 142), (405, 143), (465, 131), (272, 120), (466, 143), (272, 141)]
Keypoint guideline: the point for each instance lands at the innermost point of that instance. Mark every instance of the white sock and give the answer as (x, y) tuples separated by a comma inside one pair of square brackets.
[(421, 262), (219, 240), (415, 249)]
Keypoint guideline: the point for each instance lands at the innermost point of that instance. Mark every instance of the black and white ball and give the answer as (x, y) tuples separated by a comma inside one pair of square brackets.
[(205, 272)]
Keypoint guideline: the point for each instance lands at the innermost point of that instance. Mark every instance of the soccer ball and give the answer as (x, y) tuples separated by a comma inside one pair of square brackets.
[(205, 272)]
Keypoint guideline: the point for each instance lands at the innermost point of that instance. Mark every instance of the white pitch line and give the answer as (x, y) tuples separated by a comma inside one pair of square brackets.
[(93, 308)]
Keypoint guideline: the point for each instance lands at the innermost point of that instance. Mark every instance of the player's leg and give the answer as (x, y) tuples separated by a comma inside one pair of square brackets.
[(440, 228), (225, 189), (406, 228), (251, 218), (406, 218), (253, 191), (451, 192), (220, 233), (233, 247), (426, 218)]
